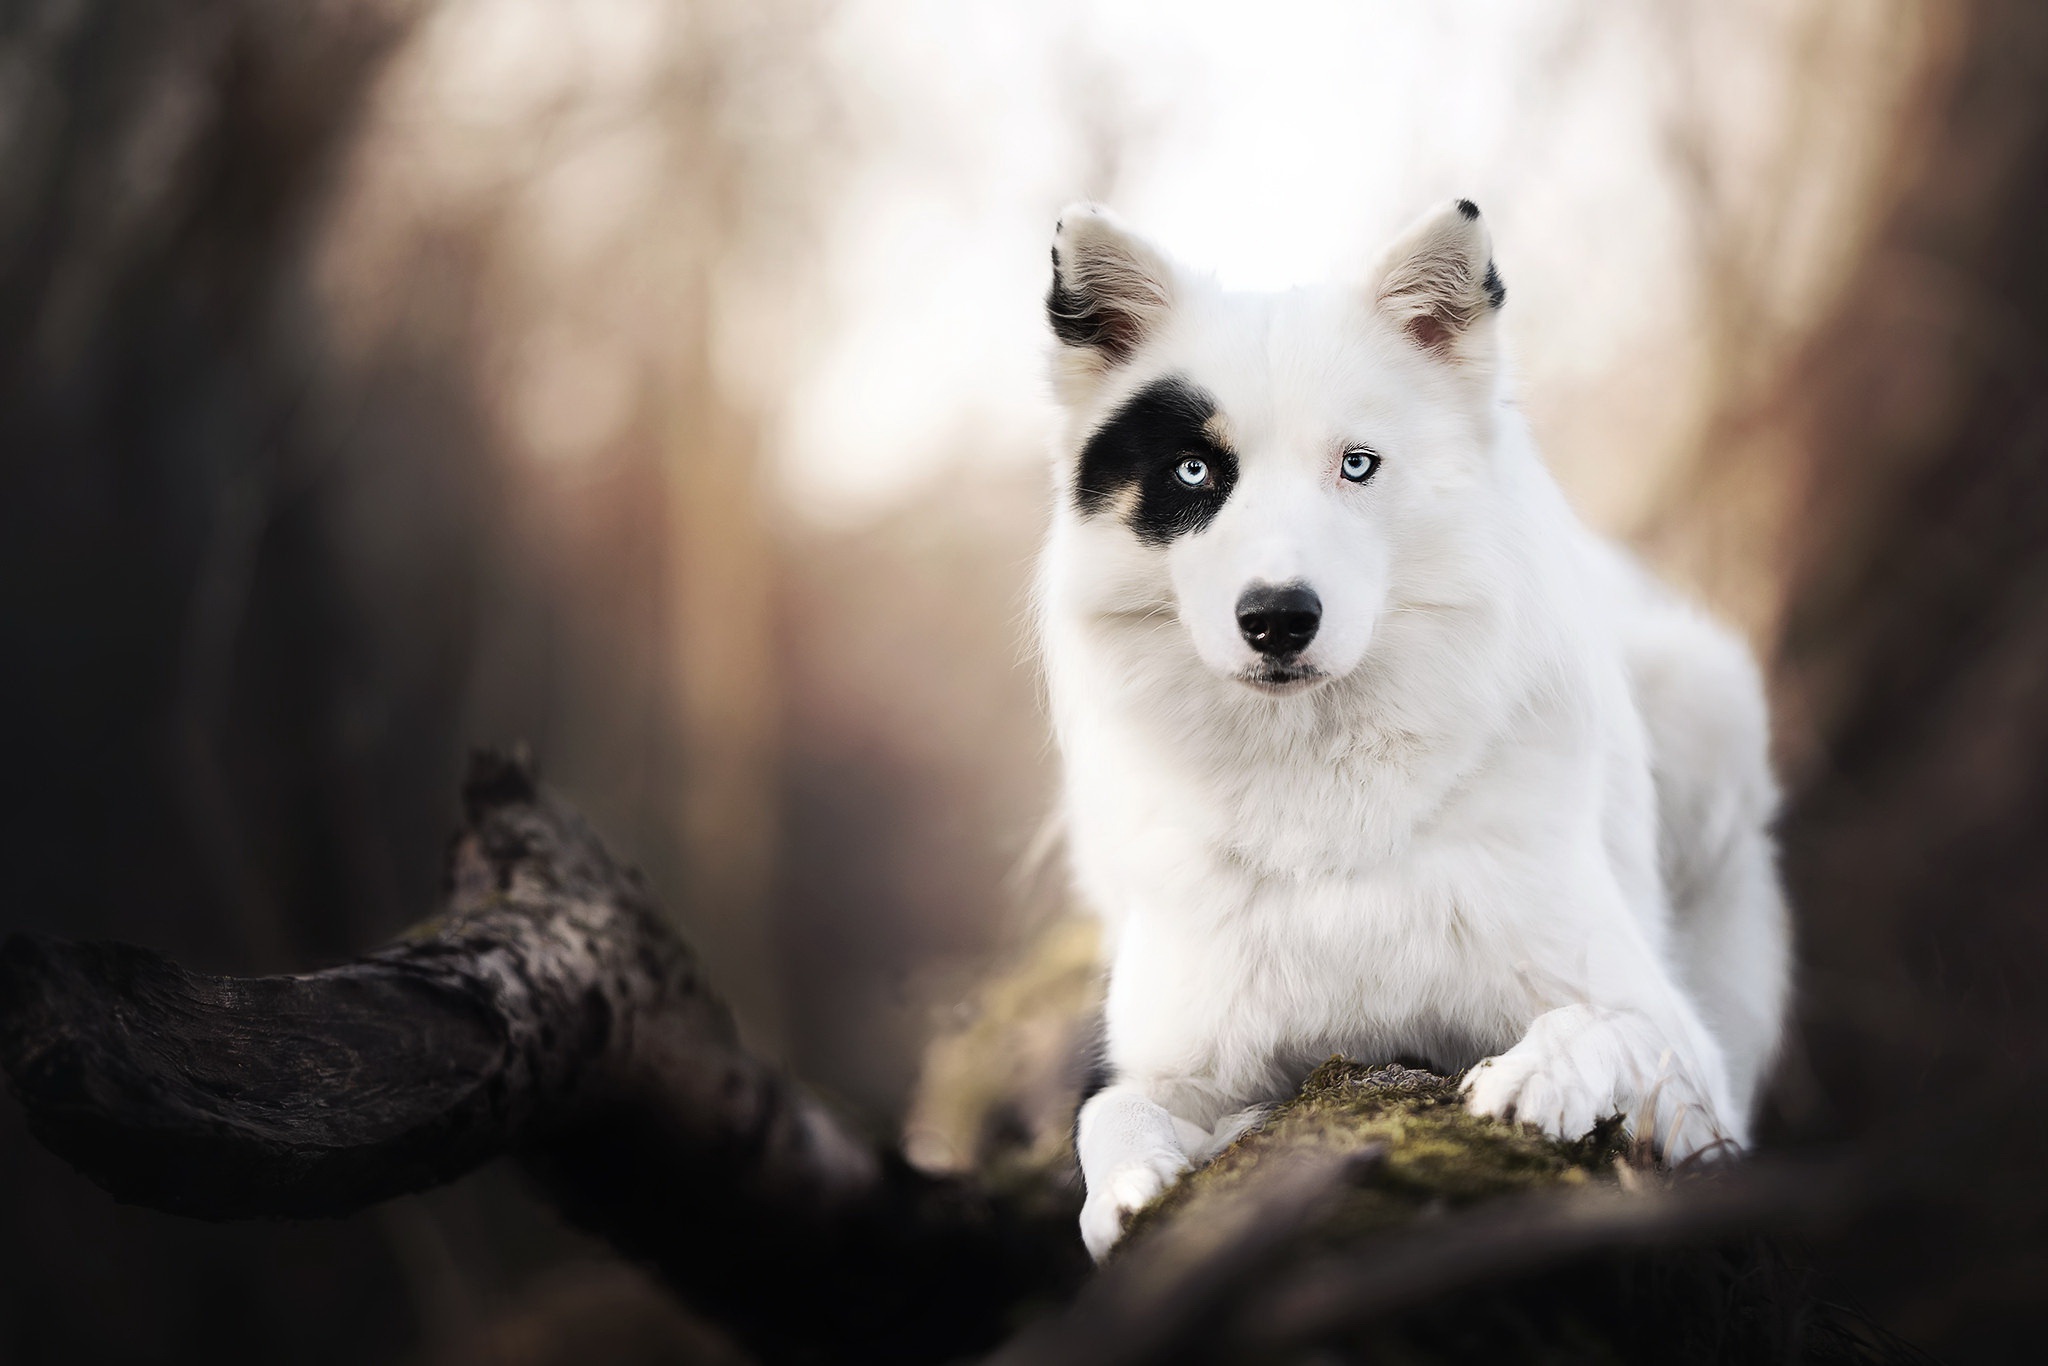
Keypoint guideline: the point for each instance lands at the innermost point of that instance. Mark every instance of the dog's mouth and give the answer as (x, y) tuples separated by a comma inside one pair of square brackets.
[(1280, 677)]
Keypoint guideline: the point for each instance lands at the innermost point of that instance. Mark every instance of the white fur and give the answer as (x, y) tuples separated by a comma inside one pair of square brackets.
[(1517, 825)]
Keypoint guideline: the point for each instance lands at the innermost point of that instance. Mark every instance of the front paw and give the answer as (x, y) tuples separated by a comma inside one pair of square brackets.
[(1122, 1193), (1579, 1065)]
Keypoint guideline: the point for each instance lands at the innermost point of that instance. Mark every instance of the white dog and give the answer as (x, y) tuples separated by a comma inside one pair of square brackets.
[(1370, 746)]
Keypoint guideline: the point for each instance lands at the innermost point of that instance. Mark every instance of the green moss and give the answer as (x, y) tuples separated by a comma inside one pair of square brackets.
[(1433, 1153), (1000, 1086)]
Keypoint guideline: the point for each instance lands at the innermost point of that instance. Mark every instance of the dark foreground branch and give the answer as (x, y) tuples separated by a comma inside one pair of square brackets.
[(549, 1014)]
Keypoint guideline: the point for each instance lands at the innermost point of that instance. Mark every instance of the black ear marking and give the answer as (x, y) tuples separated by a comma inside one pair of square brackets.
[(1111, 289), (1496, 292), (1469, 209), (1082, 318)]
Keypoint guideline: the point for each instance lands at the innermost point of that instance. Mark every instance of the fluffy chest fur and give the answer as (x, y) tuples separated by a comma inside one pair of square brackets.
[(1287, 879)]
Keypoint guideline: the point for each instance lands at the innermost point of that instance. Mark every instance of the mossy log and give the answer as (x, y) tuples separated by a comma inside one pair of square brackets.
[(1417, 1149), (551, 1015), (1371, 1218)]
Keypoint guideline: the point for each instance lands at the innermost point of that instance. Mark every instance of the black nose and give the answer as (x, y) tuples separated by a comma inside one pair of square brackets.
[(1279, 620)]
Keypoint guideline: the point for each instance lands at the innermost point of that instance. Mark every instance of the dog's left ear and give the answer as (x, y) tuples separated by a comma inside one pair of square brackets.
[(1111, 288), (1439, 286)]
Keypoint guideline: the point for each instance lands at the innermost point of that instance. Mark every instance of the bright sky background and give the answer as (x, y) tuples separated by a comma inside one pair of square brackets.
[(897, 340), (1274, 146)]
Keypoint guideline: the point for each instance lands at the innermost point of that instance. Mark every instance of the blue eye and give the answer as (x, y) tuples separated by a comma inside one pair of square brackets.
[(1192, 472), (1359, 464)]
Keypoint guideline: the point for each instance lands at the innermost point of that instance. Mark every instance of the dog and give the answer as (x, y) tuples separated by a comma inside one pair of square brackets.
[(1369, 746)]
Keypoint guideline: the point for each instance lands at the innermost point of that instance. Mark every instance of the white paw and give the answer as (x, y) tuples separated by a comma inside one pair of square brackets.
[(1112, 1201), (1581, 1064)]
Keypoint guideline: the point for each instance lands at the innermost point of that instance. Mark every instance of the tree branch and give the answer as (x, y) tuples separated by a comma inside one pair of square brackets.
[(549, 1014)]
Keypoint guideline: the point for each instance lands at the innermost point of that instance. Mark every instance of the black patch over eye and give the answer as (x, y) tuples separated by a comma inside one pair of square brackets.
[(1360, 463), (1150, 446)]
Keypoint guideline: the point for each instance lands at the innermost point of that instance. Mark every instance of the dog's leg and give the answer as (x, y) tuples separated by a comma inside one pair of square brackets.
[(1130, 1151)]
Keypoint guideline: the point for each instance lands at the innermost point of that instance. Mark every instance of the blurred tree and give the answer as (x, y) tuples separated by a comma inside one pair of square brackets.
[(249, 578), (180, 678), (1915, 648)]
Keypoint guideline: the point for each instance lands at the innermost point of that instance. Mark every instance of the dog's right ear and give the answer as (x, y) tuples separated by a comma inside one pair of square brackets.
[(1439, 285), (1110, 287)]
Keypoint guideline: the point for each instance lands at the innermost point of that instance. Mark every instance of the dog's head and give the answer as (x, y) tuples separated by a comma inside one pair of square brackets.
[(1282, 468)]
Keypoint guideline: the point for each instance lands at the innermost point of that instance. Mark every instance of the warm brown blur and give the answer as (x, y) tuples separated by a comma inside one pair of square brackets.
[(657, 383)]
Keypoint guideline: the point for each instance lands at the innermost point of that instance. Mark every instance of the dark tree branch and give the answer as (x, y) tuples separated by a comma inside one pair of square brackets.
[(549, 1014)]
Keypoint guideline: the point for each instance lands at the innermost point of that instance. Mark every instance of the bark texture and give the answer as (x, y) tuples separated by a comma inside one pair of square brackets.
[(552, 1016), (548, 1014)]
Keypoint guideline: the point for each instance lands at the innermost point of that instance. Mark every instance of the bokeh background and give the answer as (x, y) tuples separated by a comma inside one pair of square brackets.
[(661, 382)]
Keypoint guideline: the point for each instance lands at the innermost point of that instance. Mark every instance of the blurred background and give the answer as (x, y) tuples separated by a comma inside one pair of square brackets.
[(661, 382)]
